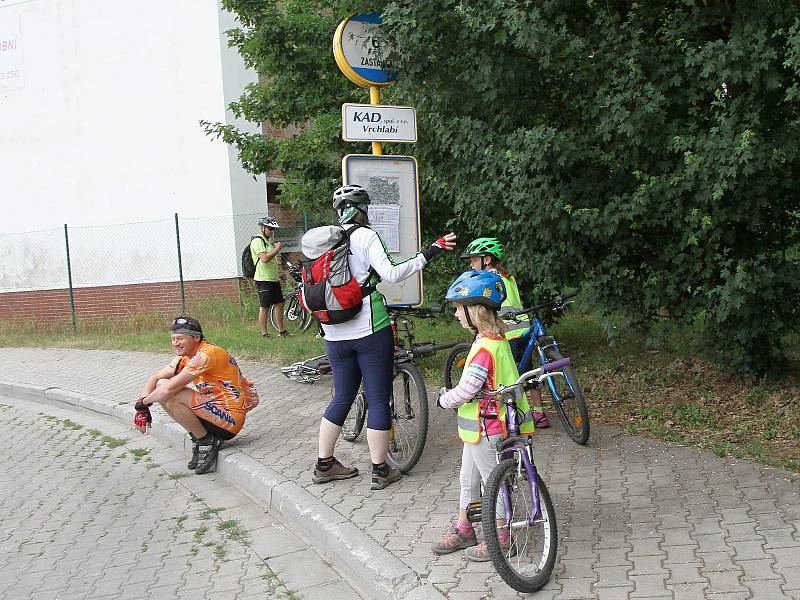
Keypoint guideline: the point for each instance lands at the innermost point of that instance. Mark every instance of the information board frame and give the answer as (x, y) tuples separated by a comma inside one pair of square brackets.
[(390, 180)]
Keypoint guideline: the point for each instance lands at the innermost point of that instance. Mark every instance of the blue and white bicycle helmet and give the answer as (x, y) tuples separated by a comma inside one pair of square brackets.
[(477, 287)]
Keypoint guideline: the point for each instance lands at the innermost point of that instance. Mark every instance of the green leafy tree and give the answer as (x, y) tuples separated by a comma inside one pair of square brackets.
[(646, 150)]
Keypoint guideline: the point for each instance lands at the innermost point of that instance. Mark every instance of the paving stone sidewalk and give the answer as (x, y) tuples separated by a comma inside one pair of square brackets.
[(87, 516), (637, 518)]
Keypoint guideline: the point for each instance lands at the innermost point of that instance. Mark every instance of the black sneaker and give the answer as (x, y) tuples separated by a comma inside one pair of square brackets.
[(195, 457), (207, 460)]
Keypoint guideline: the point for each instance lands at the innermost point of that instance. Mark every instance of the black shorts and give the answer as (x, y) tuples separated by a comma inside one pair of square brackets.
[(217, 432), (269, 293)]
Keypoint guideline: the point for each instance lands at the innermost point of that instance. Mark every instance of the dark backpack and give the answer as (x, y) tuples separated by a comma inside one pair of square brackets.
[(329, 290), (248, 266)]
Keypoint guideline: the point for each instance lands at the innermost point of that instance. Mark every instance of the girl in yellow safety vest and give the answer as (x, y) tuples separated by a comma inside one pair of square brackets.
[(481, 422), (486, 253)]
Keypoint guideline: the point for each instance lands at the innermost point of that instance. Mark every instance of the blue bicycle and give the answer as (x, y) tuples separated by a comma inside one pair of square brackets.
[(565, 391)]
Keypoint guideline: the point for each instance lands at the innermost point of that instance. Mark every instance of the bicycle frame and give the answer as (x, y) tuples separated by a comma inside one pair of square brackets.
[(523, 446), (516, 443), (537, 334)]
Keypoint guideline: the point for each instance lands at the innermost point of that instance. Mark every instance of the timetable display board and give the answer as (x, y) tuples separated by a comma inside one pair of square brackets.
[(393, 186)]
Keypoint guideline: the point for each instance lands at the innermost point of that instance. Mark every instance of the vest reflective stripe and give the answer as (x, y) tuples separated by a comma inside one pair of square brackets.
[(505, 373), (465, 424)]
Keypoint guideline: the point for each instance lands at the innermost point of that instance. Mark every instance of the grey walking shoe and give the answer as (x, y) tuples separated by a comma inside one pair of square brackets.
[(454, 540), (381, 481), (336, 471), (480, 553)]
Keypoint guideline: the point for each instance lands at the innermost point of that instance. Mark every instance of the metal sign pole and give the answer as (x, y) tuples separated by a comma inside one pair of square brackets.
[(375, 98)]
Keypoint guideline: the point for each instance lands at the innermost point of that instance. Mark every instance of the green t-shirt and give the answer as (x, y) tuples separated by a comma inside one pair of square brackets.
[(265, 271)]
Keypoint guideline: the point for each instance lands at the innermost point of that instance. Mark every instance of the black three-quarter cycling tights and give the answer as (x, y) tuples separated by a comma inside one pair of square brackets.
[(370, 358)]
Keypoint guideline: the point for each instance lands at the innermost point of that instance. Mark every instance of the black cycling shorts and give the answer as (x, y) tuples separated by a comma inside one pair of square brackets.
[(216, 431), (269, 293)]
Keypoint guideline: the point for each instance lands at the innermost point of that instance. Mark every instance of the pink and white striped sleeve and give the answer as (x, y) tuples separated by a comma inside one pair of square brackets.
[(472, 381)]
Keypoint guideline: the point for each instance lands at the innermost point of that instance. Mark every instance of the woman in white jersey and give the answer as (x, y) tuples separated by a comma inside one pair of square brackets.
[(362, 348)]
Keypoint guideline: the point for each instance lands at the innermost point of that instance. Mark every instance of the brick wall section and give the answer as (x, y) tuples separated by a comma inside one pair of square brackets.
[(98, 303)]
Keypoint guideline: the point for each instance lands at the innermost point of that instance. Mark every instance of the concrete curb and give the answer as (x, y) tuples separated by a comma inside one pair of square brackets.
[(372, 569)]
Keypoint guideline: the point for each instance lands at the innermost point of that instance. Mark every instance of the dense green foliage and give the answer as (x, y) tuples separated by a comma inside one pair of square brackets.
[(649, 151)]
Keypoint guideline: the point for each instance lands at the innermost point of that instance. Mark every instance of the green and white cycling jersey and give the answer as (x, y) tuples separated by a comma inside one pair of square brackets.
[(367, 250)]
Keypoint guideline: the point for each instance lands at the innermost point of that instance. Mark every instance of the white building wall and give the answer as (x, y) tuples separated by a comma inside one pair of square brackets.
[(103, 128)]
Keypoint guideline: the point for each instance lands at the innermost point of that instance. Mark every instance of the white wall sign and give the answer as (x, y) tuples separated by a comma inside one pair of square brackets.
[(393, 186), (378, 123), (11, 59)]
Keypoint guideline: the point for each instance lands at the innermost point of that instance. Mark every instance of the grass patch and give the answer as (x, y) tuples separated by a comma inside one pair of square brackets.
[(68, 424), (113, 442), (177, 476), (233, 530), (208, 513), (219, 552), (199, 533), (139, 453)]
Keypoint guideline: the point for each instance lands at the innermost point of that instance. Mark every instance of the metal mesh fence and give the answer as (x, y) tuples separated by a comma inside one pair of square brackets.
[(168, 250)]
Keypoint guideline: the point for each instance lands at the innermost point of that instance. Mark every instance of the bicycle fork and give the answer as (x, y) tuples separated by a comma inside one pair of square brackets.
[(523, 461)]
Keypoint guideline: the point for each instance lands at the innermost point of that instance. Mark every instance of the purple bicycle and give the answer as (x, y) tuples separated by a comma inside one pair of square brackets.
[(523, 511)]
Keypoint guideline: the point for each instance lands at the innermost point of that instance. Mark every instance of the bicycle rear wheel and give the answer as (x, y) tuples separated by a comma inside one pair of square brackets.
[(568, 401), (527, 562), (354, 422), (408, 405), (454, 364), (294, 317)]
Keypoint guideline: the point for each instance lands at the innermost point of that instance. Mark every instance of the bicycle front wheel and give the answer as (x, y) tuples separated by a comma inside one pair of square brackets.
[(527, 555), (294, 317), (568, 400), (408, 406), (354, 422), (454, 364)]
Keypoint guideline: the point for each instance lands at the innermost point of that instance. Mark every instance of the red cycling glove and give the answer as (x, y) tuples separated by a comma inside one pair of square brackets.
[(143, 419)]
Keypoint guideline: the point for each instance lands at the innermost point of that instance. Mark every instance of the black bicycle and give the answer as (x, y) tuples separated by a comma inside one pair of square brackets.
[(295, 317), (408, 400)]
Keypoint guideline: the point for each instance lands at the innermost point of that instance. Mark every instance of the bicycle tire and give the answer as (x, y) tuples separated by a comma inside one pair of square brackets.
[(568, 401), (294, 317), (537, 543), (454, 364), (354, 422), (408, 406)]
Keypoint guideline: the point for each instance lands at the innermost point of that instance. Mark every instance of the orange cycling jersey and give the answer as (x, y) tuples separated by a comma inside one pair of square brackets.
[(222, 396)]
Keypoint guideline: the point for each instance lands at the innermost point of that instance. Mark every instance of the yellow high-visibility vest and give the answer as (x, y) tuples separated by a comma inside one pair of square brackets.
[(505, 373)]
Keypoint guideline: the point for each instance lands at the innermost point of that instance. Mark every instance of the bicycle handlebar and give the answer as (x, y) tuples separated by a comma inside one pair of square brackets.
[(557, 302), (540, 374), (422, 312)]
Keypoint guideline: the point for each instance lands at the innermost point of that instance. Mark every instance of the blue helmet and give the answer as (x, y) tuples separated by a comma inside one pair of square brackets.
[(477, 287)]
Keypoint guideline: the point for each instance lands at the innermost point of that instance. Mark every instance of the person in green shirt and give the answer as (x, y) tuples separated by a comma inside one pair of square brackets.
[(265, 257), (485, 253)]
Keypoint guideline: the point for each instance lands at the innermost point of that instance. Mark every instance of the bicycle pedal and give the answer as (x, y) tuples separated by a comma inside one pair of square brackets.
[(474, 513)]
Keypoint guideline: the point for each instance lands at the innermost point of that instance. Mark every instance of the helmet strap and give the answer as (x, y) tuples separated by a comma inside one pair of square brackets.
[(469, 320)]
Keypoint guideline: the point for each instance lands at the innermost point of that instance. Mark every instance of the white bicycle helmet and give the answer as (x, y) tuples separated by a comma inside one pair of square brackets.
[(348, 201), (269, 222)]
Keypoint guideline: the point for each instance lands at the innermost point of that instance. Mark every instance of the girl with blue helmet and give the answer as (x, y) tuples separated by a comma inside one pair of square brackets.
[(481, 422)]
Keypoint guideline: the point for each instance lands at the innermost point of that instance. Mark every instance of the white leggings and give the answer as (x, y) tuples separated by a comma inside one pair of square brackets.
[(477, 462)]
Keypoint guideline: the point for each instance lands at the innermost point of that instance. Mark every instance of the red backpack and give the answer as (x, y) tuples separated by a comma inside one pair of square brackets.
[(329, 291)]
